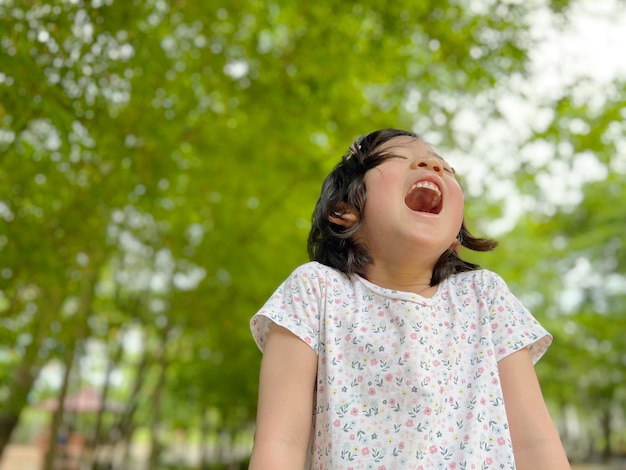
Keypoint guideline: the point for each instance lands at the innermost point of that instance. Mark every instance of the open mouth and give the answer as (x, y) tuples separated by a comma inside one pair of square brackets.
[(424, 196)]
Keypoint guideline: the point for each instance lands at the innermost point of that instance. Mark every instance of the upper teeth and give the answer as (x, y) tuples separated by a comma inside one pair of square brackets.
[(425, 184)]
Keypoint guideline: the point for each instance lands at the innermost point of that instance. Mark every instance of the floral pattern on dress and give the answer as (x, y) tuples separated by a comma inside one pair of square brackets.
[(405, 381)]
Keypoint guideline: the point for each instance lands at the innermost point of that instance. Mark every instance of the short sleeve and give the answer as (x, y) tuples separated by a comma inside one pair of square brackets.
[(513, 326), (295, 305)]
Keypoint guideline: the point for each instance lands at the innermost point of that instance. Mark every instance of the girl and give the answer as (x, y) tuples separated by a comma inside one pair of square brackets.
[(387, 350)]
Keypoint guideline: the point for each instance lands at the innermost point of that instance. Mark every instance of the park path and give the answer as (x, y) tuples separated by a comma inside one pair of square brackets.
[(25, 457), (21, 457)]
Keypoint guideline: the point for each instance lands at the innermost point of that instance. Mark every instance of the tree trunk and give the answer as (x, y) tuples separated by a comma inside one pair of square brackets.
[(204, 431), (77, 331), (607, 452), (96, 437), (19, 386), (57, 416), (156, 447), (125, 422), (20, 382)]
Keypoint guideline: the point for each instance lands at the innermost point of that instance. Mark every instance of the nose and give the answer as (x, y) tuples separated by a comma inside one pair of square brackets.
[(429, 163)]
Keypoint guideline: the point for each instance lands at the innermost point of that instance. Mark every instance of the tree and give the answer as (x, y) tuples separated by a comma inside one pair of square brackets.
[(167, 155)]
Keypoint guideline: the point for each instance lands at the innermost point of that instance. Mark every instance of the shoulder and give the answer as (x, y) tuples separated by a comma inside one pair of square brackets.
[(319, 272), (478, 279)]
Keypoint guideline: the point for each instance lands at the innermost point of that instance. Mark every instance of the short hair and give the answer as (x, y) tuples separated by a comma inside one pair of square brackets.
[(334, 245)]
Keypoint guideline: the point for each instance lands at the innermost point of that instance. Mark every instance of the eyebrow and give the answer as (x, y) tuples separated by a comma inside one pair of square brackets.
[(431, 152)]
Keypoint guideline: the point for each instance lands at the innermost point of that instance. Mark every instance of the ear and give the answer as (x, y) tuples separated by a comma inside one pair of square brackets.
[(344, 215)]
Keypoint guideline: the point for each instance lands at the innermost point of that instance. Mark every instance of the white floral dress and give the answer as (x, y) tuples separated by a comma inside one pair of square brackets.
[(404, 381)]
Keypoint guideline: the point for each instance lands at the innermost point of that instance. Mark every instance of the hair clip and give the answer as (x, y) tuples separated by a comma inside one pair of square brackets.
[(355, 147)]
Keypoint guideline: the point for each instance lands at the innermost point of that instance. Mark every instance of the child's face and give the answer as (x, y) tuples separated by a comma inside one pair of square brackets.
[(414, 203)]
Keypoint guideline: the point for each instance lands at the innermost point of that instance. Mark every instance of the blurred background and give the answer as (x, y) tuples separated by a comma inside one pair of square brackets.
[(160, 160)]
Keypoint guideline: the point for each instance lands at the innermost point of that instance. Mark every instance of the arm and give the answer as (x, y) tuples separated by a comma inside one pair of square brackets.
[(536, 442), (285, 408)]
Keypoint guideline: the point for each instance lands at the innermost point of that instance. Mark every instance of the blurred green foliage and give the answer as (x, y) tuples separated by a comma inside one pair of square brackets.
[(160, 161)]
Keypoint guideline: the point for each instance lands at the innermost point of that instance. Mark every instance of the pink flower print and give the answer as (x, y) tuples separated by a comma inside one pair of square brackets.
[(481, 370), (428, 411), (413, 335), (452, 466), (373, 362), (354, 411), (494, 381), (494, 326), (382, 467), (307, 340), (347, 338), (337, 300), (501, 351), (381, 313), (432, 449), (337, 423), (409, 423), (371, 391), (473, 326), (359, 378), (466, 438), (352, 437), (483, 401), (489, 461), (364, 329), (392, 401), (365, 451), (436, 363), (490, 352), (501, 441), (401, 446), (388, 377), (470, 415)]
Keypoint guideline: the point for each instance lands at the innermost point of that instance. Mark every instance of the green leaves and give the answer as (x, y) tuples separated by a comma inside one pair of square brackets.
[(176, 150)]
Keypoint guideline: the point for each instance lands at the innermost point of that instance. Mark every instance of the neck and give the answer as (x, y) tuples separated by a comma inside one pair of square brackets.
[(407, 279)]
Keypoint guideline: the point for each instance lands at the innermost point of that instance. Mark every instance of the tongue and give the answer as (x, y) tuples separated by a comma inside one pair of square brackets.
[(423, 200)]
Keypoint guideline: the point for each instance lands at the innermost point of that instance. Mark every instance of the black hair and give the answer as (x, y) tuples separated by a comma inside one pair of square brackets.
[(343, 191)]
